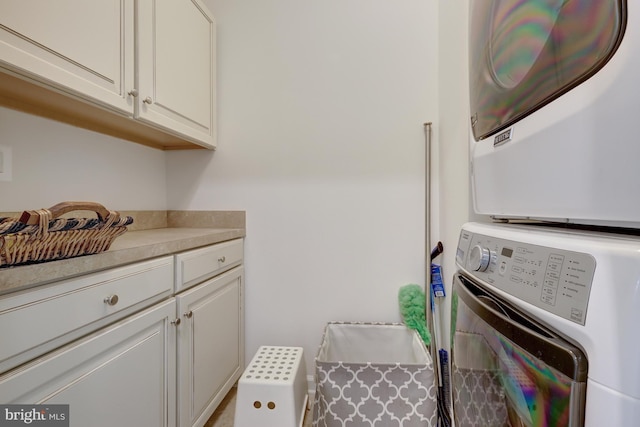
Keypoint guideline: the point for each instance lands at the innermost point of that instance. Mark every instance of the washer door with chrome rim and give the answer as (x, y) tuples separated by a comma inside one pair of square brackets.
[(508, 370)]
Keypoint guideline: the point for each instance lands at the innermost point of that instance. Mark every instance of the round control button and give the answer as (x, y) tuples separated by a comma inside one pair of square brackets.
[(503, 268), (479, 258)]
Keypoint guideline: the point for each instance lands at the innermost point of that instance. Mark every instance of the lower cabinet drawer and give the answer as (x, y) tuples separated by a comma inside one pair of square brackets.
[(198, 265), (33, 322)]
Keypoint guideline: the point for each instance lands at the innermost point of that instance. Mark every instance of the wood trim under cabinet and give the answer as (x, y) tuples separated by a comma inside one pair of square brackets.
[(19, 94)]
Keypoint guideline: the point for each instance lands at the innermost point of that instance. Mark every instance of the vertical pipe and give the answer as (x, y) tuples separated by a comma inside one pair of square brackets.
[(427, 228)]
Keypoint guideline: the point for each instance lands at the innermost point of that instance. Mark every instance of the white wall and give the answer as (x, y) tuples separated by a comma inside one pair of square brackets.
[(321, 106), (55, 162), (321, 112), (453, 157)]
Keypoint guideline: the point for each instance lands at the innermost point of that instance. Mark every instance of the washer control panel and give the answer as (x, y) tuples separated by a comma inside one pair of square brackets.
[(556, 280)]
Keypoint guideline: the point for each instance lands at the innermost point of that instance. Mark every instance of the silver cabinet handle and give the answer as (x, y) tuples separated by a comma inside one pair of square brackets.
[(222, 259), (148, 100), (111, 300), (133, 92), (176, 321), (189, 314)]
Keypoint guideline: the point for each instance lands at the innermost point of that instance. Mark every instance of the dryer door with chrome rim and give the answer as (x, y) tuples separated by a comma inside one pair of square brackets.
[(524, 54), (508, 370)]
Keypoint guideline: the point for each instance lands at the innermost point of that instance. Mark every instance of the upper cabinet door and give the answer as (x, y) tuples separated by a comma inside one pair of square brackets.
[(78, 47), (176, 68)]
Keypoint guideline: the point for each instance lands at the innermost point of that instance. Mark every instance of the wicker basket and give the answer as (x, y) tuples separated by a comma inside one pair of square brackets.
[(39, 236)]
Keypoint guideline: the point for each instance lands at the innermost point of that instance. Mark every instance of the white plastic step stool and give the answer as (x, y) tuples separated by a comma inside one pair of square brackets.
[(272, 391)]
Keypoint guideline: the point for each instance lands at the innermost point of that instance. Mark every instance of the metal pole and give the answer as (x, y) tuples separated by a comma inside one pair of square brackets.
[(427, 228)]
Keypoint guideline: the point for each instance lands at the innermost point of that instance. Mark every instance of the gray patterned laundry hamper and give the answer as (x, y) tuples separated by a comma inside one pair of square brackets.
[(479, 398), (373, 375)]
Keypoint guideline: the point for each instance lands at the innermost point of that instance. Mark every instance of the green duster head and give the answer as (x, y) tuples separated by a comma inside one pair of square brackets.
[(412, 301)]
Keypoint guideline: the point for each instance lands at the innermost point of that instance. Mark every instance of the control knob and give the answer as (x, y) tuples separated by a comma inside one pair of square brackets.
[(479, 258)]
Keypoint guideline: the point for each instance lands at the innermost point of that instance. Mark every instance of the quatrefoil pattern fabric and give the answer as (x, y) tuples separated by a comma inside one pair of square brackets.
[(374, 395), (478, 398)]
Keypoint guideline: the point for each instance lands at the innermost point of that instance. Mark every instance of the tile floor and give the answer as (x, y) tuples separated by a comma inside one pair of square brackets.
[(223, 416)]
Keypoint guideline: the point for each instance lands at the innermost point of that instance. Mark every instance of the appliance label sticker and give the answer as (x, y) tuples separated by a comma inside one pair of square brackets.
[(503, 137)]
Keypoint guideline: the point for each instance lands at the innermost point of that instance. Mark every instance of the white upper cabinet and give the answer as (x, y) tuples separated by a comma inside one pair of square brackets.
[(176, 67), (81, 47), (150, 61)]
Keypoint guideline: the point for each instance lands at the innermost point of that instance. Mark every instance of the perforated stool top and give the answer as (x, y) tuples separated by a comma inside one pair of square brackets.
[(273, 365), (272, 391)]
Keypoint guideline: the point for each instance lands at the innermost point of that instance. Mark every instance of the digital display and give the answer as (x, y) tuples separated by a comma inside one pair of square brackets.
[(506, 252)]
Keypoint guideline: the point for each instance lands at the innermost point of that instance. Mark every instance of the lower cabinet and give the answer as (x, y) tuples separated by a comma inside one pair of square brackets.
[(134, 346), (122, 375), (210, 345)]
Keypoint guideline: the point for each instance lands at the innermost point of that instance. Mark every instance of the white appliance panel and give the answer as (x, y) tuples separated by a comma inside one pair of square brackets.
[(574, 159), (609, 335)]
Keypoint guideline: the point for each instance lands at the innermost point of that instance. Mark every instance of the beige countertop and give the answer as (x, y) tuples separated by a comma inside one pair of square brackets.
[(206, 228)]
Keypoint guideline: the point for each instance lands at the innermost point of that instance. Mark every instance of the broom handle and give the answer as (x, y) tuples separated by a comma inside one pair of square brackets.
[(32, 217)]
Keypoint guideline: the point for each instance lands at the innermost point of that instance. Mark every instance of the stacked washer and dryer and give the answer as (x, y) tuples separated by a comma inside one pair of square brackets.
[(545, 326)]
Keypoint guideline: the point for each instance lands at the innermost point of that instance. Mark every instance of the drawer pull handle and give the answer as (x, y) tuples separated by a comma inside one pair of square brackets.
[(189, 314), (111, 300), (222, 259), (176, 321)]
